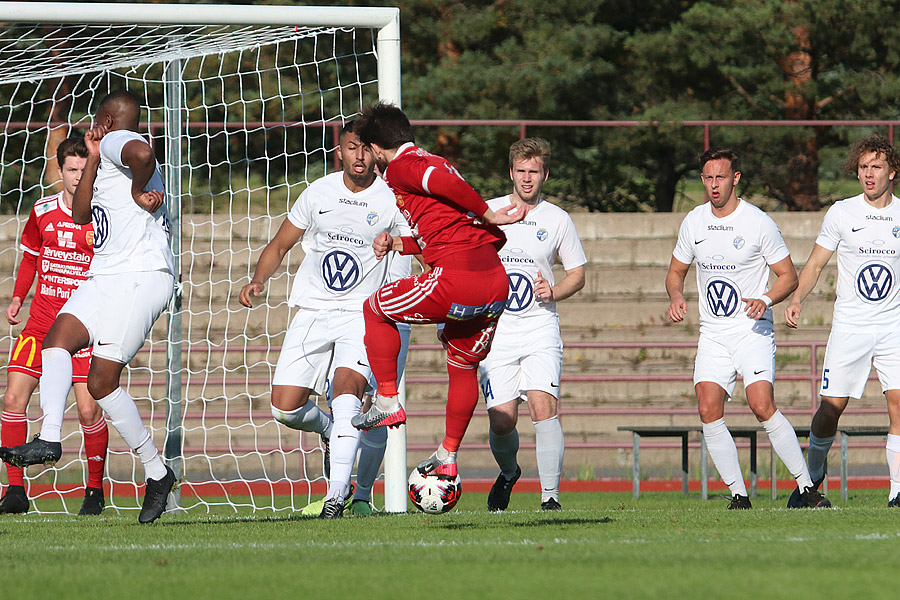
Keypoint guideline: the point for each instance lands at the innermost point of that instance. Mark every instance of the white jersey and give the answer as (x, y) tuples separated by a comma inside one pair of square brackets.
[(867, 241), (127, 238), (340, 269), (533, 245), (733, 255)]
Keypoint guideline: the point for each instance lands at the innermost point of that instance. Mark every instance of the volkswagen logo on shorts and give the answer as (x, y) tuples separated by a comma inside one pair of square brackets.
[(722, 297), (340, 270), (521, 293), (101, 227), (874, 281)]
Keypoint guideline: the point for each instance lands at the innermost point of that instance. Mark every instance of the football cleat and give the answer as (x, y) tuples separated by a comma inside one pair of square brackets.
[(361, 508), (14, 501), (895, 501), (795, 501), (155, 497), (375, 417), (739, 502), (35, 452), (93, 502), (498, 497), (445, 469), (332, 509), (551, 504), (813, 498)]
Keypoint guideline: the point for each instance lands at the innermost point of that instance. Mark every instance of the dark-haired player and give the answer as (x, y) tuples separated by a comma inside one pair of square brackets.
[(466, 289), (865, 331), (734, 245), (63, 250)]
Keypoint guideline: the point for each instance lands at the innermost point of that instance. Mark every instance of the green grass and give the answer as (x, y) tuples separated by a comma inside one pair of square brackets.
[(659, 546)]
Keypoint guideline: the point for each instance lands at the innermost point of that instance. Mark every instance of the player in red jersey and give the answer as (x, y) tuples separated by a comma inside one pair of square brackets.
[(466, 289), (59, 252)]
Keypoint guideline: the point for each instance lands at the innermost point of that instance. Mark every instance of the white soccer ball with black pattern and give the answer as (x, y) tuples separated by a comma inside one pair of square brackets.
[(432, 494)]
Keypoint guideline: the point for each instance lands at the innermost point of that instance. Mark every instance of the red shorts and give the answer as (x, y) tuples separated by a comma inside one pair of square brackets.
[(468, 302), (26, 356)]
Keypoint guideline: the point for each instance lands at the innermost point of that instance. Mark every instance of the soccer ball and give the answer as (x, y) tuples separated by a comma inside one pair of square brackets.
[(433, 495)]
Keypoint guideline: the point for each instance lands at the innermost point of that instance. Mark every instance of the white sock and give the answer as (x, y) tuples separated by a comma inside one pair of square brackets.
[(445, 455), (550, 447), (386, 403), (56, 381), (893, 459), (308, 417), (124, 415), (371, 453), (787, 447), (724, 455), (344, 444), (816, 455), (505, 448)]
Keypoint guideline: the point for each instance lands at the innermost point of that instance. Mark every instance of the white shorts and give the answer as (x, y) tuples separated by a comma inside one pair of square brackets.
[(118, 310), (317, 342), (849, 358), (510, 370), (721, 357), (405, 331)]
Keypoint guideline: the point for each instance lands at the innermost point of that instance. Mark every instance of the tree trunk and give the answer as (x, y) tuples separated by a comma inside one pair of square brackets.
[(803, 160)]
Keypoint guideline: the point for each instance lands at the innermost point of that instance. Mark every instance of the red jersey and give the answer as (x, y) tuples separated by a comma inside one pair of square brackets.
[(441, 208), (59, 252)]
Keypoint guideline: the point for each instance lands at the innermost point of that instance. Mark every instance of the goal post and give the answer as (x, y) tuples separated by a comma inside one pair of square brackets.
[(246, 102)]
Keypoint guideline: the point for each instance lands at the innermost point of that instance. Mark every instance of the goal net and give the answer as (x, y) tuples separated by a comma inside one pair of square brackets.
[(243, 106)]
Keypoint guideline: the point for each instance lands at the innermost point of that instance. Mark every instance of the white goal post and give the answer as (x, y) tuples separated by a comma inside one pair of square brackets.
[(246, 101)]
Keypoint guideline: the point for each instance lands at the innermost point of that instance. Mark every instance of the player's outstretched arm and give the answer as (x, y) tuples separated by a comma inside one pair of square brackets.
[(809, 276), (785, 283), (567, 286), (287, 237), (675, 288), (84, 193)]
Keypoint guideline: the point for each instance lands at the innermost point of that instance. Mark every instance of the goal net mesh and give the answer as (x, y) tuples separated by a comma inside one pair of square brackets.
[(260, 111)]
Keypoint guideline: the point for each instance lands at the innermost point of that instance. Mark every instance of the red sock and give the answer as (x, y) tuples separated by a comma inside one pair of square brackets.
[(13, 432), (462, 398), (96, 441), (382, 347)]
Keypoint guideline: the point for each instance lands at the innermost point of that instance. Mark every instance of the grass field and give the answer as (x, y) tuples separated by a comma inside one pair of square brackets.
[(660, 546)]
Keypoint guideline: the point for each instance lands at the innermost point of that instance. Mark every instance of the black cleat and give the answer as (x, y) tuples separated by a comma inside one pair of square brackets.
[(813, 498), (333, 509), (796, 502), (35, 452), (93, 502), (498, 497), (14, 501), (551, 504), (739, 502), (155, 497), (895, 501)]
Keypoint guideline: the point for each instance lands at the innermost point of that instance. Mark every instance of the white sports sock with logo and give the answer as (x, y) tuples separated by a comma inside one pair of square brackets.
[(787, 447), (893, 459), (56, 381), (724, 455), (344, 444), (505, 449), (550, 447)]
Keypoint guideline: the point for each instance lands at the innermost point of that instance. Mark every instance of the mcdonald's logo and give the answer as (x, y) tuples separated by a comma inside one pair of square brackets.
[(20, 343)]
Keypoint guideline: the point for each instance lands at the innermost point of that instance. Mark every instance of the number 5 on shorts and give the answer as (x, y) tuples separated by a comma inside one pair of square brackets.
[(825, 379)]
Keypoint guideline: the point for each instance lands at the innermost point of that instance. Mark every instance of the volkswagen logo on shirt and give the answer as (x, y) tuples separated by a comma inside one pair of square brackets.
[(101, 227), (723, 297), (340, 271), (874, 281), (521, 292)]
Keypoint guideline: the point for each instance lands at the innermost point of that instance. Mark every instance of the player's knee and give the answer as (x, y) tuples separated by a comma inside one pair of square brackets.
[(15, 401), (502, 422), (100, 388), (831, 408)]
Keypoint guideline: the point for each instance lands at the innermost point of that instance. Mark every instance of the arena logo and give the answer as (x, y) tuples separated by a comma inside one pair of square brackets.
[(340, 271), (521, 292), (874, 281), (722, 297), (101, 227)]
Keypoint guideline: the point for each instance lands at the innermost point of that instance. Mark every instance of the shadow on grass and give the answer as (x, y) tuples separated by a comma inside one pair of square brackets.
[(538, 522)]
